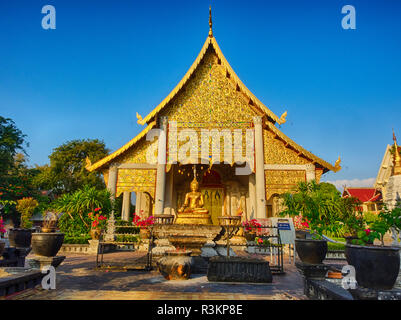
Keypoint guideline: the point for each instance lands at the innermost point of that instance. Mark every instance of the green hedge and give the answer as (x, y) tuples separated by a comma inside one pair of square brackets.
[(335, 246), (76, 240), (127, 229), (127, 238)]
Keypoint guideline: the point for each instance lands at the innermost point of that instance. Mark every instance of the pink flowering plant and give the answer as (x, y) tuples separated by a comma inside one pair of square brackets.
[(252, 225), (143, 223), (301, 223), (98, 220), (386, 221), (2, 229)]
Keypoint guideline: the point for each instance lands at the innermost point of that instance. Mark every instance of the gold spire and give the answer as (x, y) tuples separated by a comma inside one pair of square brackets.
[(210, 22), (397, 158)]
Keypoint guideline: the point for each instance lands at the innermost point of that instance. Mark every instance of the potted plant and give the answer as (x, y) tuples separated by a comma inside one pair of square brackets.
[(98, 223), (144, 224), (48, 242), (320, 210), (376, 266), (2, 232), (251, 227), (301, 227), (21, 237)]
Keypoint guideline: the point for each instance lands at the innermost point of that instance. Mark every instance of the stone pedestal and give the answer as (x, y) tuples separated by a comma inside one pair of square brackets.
[(15, 256), (312, 271), (371, 294), (93, 246), (39, 262), (234, 269)]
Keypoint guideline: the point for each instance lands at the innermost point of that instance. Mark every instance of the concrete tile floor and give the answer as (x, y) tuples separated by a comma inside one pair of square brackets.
[(78, 280)]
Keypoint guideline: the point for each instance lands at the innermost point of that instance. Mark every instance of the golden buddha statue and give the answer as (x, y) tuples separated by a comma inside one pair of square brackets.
[(192, 211), (193, 200)]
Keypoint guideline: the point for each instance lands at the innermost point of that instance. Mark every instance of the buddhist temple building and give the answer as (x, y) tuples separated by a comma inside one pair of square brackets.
[(210, 98)]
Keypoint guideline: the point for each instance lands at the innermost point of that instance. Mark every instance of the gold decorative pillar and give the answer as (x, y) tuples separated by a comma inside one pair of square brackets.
[(161, 167), (259, 170)]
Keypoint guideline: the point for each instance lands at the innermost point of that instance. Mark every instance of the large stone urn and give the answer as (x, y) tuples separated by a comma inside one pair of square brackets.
[(375, 267), (47, 244), (176, 265), (20, 238), (311, 251)]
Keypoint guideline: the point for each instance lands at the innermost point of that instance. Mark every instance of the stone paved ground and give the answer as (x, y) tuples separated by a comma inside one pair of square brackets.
[(77, 280)]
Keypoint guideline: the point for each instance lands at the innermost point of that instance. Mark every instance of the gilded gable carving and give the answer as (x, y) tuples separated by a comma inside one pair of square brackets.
[(281, 181), (137, 154), (276, 152), (136, 180), (209, 96)]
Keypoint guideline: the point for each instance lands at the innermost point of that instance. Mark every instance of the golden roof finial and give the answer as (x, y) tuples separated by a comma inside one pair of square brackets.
[(210, 22), (397, 157)]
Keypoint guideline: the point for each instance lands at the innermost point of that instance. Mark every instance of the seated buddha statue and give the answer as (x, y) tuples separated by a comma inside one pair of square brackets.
[(193, 202)]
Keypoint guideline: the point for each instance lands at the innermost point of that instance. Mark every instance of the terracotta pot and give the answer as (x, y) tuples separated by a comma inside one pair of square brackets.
[(375, 267), (20, 238), (144, 233), (311, 251), (47, 244), (95, 233), (176, 265)]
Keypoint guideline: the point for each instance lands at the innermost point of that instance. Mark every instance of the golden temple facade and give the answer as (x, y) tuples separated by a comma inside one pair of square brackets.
[(210, 98)]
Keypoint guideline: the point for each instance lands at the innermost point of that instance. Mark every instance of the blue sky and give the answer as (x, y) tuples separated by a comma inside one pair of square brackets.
[(107, 60)]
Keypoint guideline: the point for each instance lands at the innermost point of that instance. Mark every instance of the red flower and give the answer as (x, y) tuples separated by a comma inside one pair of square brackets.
[(97, 209), (367, 231)]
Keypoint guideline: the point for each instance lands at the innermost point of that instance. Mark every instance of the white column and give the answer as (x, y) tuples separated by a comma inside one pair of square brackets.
[(168, 204), (126, 206), (259, 168), (112, 180), (310, 172), (252, 197), (138, 204), (161, 167)]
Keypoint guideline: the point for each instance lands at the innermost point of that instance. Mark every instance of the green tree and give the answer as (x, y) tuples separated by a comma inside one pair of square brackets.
[(12, 140), (66, 172)]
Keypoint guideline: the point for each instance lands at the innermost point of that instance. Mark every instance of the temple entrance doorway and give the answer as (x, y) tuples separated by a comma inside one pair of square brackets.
[(213, 194)]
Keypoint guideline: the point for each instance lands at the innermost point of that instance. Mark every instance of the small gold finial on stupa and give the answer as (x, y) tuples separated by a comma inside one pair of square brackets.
[(397, 158), (210, 22)]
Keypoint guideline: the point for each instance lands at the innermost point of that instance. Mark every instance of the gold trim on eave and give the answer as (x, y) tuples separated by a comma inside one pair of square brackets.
[(91, 167), (210, 40)]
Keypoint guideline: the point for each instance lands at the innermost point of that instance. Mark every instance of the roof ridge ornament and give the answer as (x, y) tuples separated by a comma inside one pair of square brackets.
[(397, 158), (210, 23)]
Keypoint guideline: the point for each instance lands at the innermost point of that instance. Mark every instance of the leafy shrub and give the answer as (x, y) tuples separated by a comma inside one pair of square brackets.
[(76, 240), (26, 206)]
